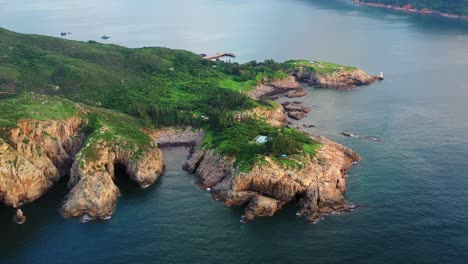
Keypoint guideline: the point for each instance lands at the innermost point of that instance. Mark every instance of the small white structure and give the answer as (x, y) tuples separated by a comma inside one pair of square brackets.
[(261, 139)]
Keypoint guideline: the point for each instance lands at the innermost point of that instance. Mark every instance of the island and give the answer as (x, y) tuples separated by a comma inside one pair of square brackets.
[(451, 9), (79, 111)]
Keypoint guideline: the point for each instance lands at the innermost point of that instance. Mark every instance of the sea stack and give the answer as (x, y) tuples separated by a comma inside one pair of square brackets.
[(19, 217)]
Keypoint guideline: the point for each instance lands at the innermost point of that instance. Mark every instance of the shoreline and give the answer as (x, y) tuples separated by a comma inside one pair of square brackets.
[(412, 10)]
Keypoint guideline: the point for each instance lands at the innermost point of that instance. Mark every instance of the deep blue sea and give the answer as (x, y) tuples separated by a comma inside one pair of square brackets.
[(412, 186)]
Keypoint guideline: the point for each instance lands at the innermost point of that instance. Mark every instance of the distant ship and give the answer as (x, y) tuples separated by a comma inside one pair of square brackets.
[(105, 37)]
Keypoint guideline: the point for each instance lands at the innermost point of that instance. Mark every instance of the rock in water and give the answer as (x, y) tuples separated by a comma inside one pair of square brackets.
[(297, 115), (298, 93), (19, 217)]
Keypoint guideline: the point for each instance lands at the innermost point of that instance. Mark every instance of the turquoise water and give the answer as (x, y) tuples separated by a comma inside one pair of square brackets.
[(412, 185)]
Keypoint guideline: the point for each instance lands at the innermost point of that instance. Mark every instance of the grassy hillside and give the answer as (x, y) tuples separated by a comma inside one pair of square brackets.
[(459, 7), (149, 87), (116, 77), (316, 66), (119, 127)]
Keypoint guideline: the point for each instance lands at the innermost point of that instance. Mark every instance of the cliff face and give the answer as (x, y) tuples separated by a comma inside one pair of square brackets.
[(35, 156), (268, 88), (173, 137), (319, 185), (273, 116), (94, 193)]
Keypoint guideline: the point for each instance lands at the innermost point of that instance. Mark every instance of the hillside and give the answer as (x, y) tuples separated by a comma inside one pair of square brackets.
[(157, 86)]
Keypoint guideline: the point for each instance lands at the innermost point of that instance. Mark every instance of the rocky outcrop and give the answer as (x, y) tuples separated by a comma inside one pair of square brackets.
[(298, 93), (295, 110), (343, 79), (319, 185), (283, 86), (19, 217), (289, 107), (274, 116), (340, 79), (94, 194), (36, 155), (297, 115), (176, 137), (20, 181)]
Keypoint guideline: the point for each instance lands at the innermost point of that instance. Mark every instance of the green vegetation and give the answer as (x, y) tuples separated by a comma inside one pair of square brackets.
[(118, 126), (32, 106), (458, 7), (124, 90), (238, 139), (316, 66)]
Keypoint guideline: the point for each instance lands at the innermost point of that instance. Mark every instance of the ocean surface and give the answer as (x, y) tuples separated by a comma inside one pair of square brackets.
[(412, 185)]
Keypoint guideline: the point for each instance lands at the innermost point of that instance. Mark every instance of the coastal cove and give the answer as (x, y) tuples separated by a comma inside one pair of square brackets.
[(410, 185)]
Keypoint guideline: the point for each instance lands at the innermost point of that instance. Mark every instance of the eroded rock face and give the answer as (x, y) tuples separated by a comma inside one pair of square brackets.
[(296, 111), (20, 181), (262, 206), (36, 155), (345, 79), (340, 79), (94, 193), (19, 217), (275, 117), (173, 137), (319, 184), (267, 88)]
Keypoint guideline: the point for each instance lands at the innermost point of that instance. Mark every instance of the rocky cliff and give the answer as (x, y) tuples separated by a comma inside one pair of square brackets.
[(274, 116), (273, 87), (34, 154), (318, 184), (94, 193), (339, 79)]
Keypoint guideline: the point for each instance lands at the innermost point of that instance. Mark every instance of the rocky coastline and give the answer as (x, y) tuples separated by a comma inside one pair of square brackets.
[(411, 10), (36, 154), (318, 186), (339, 80)]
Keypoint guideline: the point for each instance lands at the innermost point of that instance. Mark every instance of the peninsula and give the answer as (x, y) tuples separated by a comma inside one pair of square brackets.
[(78, 111)]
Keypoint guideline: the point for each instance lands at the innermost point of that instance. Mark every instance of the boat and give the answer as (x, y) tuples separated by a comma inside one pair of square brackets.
[(105, 37)]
